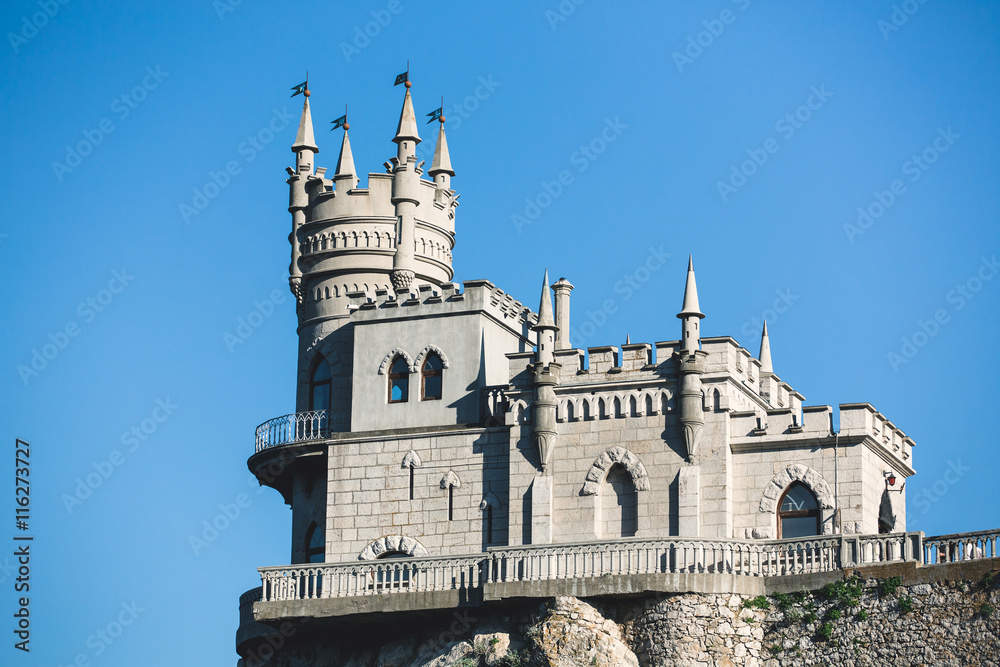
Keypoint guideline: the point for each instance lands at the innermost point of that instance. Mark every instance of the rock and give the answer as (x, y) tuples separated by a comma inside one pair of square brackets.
[(573, 633)]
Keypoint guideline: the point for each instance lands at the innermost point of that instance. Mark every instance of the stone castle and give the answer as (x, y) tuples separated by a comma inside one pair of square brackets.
[(438, 420)]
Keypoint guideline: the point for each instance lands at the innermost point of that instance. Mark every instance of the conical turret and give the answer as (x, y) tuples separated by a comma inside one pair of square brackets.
[(406, 129), (765, 352), (346, 173), (305, 143), (441, 170), (546, 325), (690, 313)]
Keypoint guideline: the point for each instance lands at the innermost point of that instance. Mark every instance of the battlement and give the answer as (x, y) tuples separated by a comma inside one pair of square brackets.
[(857, 419), (432, 301)]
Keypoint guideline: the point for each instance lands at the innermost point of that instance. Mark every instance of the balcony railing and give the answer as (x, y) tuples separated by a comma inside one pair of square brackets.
[(960, 546), (246, 604), (299, 427), (373, 577), (632, 556)]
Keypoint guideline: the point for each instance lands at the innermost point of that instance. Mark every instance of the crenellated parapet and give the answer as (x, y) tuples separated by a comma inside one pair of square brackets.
[(862, 419)]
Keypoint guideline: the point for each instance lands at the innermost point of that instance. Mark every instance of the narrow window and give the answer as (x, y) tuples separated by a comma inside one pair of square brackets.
[(489, 524), (798, 512), (411, 482), (319, 386), (399, 381), (451, 503), (314, 544), (430, 377)]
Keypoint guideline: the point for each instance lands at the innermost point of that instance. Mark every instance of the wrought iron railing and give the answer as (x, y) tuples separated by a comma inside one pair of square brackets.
[(298, 427)]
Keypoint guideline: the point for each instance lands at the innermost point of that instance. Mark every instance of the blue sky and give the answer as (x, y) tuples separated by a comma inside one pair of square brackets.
[(586, 142)]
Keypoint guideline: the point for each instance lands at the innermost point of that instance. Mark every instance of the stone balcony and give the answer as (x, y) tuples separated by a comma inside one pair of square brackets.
[(591, 569)]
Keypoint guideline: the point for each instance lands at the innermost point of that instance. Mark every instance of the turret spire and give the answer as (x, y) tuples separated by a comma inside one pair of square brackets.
[(305, 147), (545, 318), (690, 313), (690, 305), (407, 127), (345, 163), (765, 352), (305, 140), (442, 160)]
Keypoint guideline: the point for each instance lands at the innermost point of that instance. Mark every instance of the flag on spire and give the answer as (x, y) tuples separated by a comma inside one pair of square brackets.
[(402, 78), (340, 122), (301, 88), (434, 115)]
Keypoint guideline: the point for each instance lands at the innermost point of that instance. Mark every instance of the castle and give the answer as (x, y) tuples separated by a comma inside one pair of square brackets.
[(440, 420)]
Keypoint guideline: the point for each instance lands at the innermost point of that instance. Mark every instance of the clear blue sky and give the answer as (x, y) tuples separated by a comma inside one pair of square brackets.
[(198, 81)]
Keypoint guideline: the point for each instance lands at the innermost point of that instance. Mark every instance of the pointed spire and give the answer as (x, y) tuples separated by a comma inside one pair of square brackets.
[(304, 140), (407, 127), (442, 160), (690, 306), (545, 318), (345, 163), (765, 352), (628, 339)]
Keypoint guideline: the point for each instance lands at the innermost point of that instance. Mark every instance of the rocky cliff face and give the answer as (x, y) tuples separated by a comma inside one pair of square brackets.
[(863, 620)]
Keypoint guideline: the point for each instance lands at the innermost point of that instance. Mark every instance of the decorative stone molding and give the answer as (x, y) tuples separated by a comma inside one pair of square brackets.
[(393, 544), (393, 353), (599, 470), (489, 500), (427, 350), (796, 472), (411, 460), (451, 479)]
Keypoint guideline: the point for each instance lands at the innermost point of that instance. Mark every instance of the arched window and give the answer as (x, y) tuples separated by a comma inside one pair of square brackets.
[(618, 510), (886, 518), (319, 386), (315, 549), (399, 381), (430, 378), (798, 512)]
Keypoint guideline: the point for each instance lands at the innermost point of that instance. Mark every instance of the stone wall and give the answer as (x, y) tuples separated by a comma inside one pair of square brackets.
[(900, 614)]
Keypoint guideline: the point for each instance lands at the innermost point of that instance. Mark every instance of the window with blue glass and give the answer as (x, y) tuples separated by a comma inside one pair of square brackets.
[(431, 378), (399, 381)]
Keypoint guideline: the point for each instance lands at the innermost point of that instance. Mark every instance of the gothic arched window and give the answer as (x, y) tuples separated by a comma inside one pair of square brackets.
[(399, 381), (798, 512), (315, 549), (430, 378), (319, 386)]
